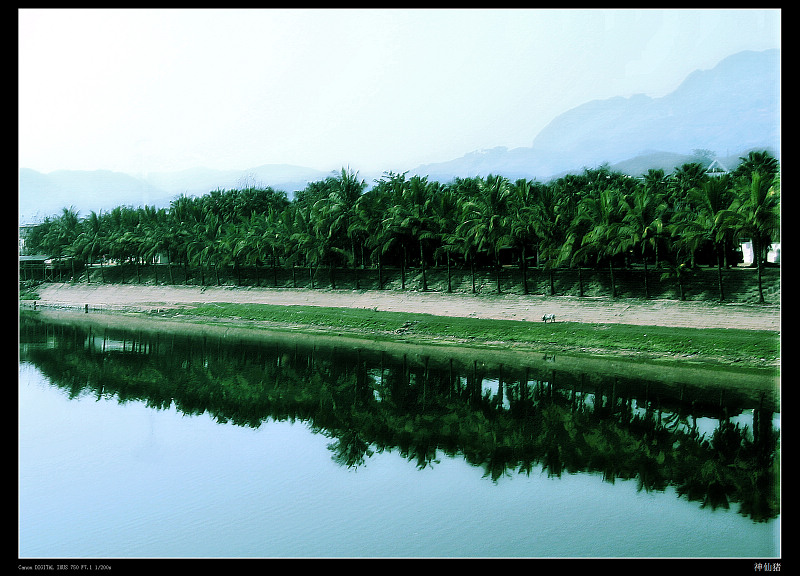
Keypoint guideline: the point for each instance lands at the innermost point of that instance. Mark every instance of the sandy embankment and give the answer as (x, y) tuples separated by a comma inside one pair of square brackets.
[(508, 306)]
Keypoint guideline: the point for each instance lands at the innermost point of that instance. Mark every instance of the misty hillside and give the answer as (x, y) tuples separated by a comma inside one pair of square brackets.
[(730, 109), (43, 195), (196, 181)]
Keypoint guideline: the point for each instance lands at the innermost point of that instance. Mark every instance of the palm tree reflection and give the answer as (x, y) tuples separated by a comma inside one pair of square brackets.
[(533, 419)]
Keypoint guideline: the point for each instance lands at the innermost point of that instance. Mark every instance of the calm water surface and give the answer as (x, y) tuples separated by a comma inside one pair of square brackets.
[(105, 472)]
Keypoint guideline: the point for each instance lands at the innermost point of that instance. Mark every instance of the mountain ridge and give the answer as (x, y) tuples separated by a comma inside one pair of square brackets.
[(729, 109), (732, 106)]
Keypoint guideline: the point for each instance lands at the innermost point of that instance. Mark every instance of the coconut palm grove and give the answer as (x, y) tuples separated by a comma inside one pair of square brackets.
[(599, 219)]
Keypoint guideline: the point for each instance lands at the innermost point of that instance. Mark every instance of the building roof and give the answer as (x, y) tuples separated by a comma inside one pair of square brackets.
[(716, 168)]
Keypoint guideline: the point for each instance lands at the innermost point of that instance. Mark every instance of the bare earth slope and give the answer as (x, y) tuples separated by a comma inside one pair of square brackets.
[(510, 306)]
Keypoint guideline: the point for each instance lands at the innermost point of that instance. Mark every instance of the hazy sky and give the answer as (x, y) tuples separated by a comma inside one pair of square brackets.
[(141, 91)]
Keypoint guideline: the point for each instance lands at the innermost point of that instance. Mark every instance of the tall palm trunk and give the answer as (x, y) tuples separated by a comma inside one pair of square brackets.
[(449, 276), (422, 265), (403, 269), (498, 270), (613, 283), (757, 249), (719, 274), (169, 267), (274, 267), (524, 267), (472, 271), (356, 279)]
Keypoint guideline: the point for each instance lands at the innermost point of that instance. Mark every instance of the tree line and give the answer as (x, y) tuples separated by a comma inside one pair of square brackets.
[(598, 218)]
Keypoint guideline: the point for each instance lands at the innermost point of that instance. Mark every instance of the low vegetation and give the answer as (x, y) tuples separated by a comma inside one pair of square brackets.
[(758, 348)]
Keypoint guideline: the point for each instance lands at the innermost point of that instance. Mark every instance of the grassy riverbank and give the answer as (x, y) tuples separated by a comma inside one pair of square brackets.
[(753, 348), (743, 336)]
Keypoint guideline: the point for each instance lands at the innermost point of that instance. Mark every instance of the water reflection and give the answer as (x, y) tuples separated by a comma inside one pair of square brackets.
[(505, 418)]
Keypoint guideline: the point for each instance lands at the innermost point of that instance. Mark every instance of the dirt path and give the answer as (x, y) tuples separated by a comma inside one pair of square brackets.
[(509, 306)]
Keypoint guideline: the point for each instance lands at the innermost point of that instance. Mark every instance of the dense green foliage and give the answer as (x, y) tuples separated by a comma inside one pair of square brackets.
[(598, 218)]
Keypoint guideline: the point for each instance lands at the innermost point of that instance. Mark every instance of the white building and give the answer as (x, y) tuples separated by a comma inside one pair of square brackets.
[(773, 253)]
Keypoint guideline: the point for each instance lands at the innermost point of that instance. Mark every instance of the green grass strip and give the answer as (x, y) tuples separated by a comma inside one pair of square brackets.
[(704, 342)]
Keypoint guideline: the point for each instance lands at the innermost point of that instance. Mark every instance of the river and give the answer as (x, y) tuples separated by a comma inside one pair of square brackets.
[(140, 444)]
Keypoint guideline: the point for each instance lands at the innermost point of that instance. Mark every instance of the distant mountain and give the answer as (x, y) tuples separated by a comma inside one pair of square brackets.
[(514, 163), (42, 195), (729, 109), (733, 106), (668, 161), (202, 180)]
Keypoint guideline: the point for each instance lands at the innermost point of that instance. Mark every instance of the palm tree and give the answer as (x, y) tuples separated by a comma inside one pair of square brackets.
[(307, 240), (204, 245), (274, 238), (391, 234), (61, 234), (485, 219), (679, 271), (292, 253), (460, 241), (602, 215), (229, 245), (444, 207), (360, 229), (123, 240), (411, 219), (252, 248), (184, 214), (755, 213), (657, 183), (641, 223), (572, 251), (340, 210), (366, 224), (685, 178), (570, 190), (155, 235), (521, 223), (91, 243), (761, 161), (705, 221), (332, 211), (548, 224)]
